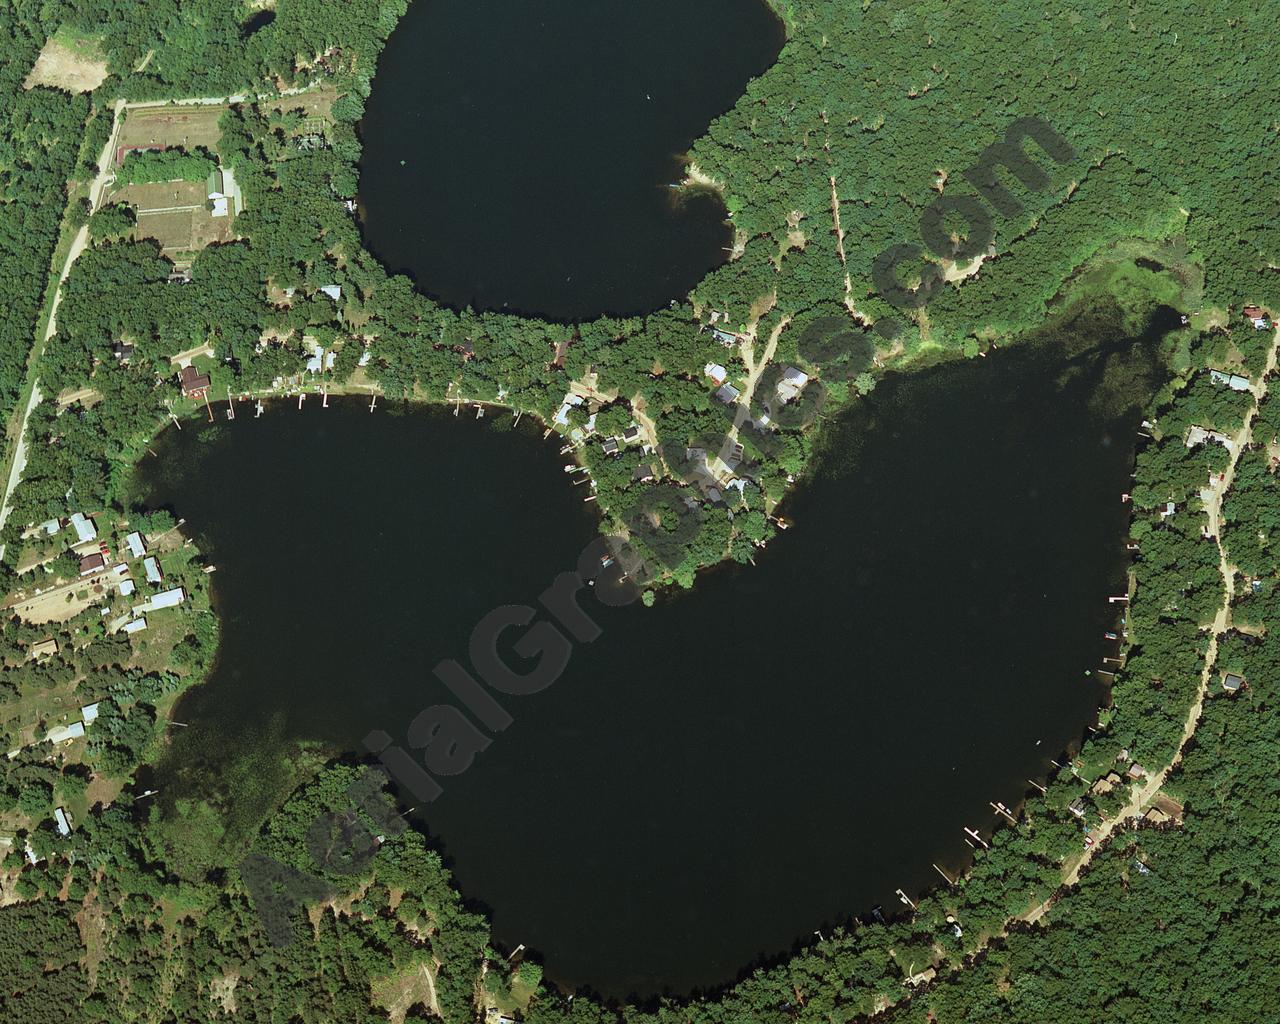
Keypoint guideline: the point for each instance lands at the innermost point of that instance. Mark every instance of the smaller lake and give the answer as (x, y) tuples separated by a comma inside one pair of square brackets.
[(517, 157)]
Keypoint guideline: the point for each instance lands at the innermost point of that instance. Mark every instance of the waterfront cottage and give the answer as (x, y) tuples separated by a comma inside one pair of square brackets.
[(168, 599), (135, 544), (193, 383), (1198, 435)]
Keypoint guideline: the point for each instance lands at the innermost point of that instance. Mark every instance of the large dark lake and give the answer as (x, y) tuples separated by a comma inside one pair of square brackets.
[(715, 777), (517, 156)]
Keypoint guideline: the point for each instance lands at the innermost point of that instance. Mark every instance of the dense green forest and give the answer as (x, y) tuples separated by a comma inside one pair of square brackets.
[(147, 166), (40, 136), (872, 113)]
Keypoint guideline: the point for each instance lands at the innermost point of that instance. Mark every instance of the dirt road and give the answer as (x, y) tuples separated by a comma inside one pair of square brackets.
[(1142, 797)]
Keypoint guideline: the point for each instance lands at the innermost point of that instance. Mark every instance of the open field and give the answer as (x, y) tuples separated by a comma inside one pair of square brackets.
[(185, 126), (316, 103), (67, 62), (176, 214)]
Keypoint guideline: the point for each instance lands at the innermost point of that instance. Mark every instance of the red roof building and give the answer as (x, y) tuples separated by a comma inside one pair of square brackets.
[(194, 383)]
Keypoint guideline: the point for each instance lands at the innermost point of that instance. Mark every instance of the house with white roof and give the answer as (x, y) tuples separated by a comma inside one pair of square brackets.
[(792, 382), (65, 733), (83, 525), (168, 599)]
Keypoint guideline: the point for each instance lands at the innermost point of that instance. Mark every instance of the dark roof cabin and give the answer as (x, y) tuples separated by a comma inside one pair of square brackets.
[(193, 382)]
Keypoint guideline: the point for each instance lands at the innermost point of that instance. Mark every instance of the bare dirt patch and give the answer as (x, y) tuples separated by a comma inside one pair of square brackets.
[(59, 603), (61, 67)]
